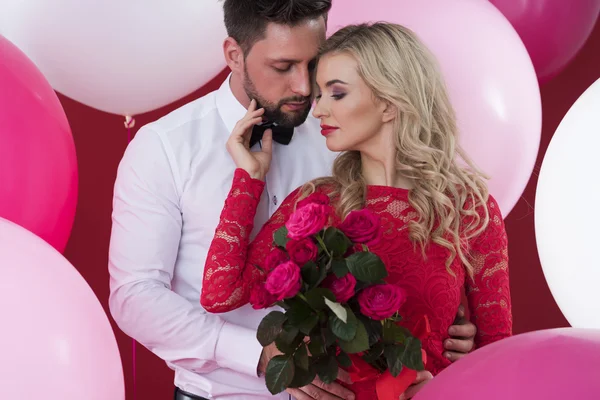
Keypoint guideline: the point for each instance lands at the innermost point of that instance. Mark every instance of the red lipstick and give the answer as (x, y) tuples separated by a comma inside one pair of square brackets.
[(327, 129)]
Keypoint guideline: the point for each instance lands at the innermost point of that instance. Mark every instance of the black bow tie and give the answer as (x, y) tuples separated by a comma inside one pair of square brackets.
[(281, 134)]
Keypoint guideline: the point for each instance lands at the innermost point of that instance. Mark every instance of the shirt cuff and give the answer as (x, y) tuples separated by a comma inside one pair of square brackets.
[(238, 349)]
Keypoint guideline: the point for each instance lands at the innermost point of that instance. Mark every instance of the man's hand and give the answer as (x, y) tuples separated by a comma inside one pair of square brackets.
[(462, 337), (317, 389), (323, 391), (423, 377)]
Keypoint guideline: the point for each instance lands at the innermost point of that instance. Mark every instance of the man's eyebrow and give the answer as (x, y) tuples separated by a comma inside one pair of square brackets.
[(284, 60)]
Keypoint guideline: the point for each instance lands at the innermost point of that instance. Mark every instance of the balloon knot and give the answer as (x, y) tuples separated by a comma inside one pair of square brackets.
[(129, 121)]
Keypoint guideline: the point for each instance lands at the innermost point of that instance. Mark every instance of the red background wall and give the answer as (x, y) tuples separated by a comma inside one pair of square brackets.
[(101, 138)]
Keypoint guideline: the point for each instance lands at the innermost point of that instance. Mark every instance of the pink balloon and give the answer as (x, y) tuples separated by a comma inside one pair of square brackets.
[(553, 30), (490, 77), (57, 342), (38, 165), (554, 364)]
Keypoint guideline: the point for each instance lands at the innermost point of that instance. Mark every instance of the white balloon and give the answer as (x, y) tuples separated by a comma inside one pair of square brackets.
[(120, 56), (567, 213)]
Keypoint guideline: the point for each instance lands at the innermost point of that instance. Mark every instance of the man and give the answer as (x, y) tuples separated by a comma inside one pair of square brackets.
[(171, 186)]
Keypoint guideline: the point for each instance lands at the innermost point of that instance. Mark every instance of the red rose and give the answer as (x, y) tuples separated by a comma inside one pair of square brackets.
[(381, 301), (318, 198), (276, 257), (362, 226), (342, 288), (261, 298), (302, 251), (284, 281), (307, 221)]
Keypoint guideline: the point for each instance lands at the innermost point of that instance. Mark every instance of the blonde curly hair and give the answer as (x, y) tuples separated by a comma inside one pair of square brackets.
[(451, 200)]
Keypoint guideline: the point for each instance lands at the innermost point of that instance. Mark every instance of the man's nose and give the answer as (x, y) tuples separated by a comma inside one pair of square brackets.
[(301, 83)]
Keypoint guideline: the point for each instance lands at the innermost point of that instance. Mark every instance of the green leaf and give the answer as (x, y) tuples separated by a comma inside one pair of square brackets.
[(289, 339), (337, 309), (280, 237), (344, 360), (336, 241), (308, 324), (324, 266), (359, 343), (301, 357), (279, 374), (315, 346), (374, 329), (374, 353), (344, 330), (303, 377), (366, 267), (310, 273), (298, 312), (393, 333), (327, 368), (316, 298), (411, 354), (270, 327), (328, 336), (339, 267), (302, 316), (393, 357)]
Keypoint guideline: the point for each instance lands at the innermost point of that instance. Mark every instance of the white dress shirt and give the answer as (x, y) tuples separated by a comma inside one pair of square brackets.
[(171, 186)]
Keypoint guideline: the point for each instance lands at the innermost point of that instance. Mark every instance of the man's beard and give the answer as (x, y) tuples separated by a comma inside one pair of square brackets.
[(273, 112)]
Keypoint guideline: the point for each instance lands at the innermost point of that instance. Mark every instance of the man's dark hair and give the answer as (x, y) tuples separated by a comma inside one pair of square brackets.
[(246, 20)]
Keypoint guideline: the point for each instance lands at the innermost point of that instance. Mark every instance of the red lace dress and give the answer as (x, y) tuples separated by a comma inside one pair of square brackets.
[(431, 290)]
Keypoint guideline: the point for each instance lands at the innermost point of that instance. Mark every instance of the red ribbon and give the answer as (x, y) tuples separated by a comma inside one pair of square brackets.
[(388, 387)]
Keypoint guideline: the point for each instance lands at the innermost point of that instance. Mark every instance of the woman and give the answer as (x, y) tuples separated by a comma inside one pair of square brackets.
[(383, 105)]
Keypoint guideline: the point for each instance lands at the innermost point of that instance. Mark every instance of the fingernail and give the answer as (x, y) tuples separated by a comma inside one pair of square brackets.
[(448, 342), (448, 356), (402, 397), (452, 331)]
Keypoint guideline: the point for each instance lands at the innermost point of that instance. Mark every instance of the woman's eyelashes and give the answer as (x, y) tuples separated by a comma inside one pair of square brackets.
[(336, 96)]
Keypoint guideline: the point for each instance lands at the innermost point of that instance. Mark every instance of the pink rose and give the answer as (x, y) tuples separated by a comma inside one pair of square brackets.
[(307, 221), (261, 298), (318, 198), (284, 281), (362, 226), (276, 257), (381, 301), (342, 288), (302, 251)]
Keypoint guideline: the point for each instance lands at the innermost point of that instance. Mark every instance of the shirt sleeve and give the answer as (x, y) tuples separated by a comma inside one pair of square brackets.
[(144, 243), (233, 265), (488, 291)]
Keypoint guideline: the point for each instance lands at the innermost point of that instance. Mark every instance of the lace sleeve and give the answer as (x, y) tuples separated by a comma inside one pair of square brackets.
[(231, 270), (488, 292)]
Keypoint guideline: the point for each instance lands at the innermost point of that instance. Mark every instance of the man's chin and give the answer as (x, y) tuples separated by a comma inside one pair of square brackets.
[(296, 117)]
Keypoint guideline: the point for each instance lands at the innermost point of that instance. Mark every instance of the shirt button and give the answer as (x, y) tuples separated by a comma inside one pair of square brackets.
[(275, 200)]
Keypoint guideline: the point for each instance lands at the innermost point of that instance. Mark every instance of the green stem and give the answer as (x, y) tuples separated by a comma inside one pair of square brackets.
[(302, 297), (320, 240)]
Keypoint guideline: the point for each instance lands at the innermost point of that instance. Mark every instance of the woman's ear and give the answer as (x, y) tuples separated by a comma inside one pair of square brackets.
[(390, 112), (234, 55)]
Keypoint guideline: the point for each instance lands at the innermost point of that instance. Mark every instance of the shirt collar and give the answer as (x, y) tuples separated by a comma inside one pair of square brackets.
[(230, 109)]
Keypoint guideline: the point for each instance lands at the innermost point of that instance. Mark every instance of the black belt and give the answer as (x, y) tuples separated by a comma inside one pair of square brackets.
[(181, 395)]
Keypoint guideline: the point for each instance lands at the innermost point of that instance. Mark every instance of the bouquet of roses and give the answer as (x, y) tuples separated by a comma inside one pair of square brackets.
[(336, 306)]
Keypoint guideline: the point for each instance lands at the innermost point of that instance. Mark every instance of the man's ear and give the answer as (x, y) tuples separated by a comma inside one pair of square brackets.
[(234, 55)]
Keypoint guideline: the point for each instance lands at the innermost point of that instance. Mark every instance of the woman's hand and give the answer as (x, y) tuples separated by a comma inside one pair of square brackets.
[(256, 163), (423, 377)]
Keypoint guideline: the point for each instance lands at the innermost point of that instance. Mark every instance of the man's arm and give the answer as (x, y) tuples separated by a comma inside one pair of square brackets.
[(144, 244), (462, 337)]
